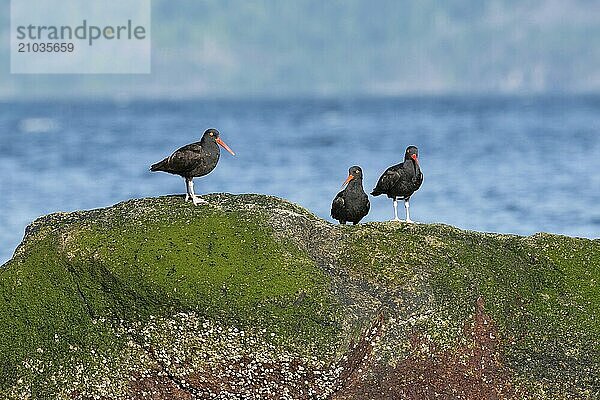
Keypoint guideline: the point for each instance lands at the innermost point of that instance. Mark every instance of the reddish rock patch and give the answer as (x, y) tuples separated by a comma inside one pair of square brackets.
[(156, 387), (471, 371)]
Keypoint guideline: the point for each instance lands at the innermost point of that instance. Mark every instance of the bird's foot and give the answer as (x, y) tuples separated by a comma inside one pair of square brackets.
[(187, 197), (198, 200), (410, 221), (396, 220)]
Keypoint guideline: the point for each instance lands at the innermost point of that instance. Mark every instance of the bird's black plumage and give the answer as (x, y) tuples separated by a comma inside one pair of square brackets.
[(194, 160), (400, 181), (352, 203)]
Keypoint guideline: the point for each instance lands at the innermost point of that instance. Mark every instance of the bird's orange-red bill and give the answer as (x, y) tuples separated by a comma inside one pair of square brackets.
[(222, 143), (348, 179), (414, 157)]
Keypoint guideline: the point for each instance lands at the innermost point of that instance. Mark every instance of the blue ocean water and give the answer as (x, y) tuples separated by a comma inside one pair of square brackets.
[(517, 165)]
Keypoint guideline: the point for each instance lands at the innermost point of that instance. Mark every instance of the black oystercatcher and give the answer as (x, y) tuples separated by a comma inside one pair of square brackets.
[(194, 160), (400, 181), (352, 203)]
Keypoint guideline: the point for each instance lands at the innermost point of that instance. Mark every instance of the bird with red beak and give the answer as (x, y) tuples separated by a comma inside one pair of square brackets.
[(400, 181), (194, 160), (352, 203)]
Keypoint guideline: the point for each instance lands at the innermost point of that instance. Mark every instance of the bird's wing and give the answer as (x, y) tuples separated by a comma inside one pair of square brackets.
[(388, 179), (337, 205), (185, 158)]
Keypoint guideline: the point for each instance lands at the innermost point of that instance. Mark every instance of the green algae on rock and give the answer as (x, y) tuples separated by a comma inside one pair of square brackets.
[(251, 296)]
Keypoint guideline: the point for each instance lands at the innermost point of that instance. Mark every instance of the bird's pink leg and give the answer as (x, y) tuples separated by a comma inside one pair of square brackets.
[(407, 206), (187, 189), (396, 210), (195, 199)]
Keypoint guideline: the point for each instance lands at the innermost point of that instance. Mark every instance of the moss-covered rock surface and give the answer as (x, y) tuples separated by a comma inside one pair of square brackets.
[(253, 297)]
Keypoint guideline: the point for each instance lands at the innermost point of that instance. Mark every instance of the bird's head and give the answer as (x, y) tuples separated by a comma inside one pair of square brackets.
[(354, 172), (412, 153), (213, 134)]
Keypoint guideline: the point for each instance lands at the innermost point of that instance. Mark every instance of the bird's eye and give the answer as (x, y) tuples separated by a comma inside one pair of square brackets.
[(210, 133)]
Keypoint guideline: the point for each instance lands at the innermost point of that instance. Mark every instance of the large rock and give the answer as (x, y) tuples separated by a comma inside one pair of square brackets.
[(254, 297)]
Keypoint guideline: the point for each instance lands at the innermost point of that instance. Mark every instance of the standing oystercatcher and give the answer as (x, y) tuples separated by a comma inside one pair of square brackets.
[(194, 160), (352, 203), (401, 181)]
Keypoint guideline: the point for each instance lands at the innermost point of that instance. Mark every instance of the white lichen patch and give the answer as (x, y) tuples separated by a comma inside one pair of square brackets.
[(192, 354), (209, 359)]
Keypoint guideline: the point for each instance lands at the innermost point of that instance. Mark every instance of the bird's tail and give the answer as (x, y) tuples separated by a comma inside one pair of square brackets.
[(158, 166), (376, 192)]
